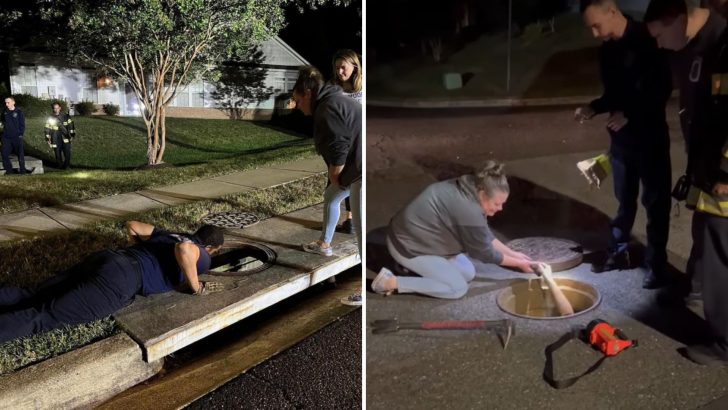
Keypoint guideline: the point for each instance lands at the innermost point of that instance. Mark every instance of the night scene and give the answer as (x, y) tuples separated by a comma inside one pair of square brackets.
[(547, 204)]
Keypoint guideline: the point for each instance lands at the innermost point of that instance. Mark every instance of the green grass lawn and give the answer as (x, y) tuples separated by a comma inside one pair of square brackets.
[(108, 150), (557, 64), (30, 262)]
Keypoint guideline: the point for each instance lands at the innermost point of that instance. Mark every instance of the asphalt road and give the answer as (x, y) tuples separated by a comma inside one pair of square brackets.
[(321, 372)]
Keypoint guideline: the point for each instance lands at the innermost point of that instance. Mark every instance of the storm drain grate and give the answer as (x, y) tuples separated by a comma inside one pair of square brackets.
[(233, 219)]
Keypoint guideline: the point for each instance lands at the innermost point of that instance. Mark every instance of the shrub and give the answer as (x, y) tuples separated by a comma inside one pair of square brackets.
[(85, 107), (111, 109), (37, 107)]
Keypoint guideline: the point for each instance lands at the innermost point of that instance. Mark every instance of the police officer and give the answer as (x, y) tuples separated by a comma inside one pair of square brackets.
[(13, 124), (59, 132), (636, 79), (699, 39), (107, 281)]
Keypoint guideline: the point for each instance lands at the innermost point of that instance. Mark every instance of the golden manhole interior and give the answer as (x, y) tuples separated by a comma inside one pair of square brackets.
[(526, 298)]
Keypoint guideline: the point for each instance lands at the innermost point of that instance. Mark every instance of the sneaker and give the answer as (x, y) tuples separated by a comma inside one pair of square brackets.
[(654, 281), (352, 300), (314, 247), (707, 354), (347, 227), (377, 284), (619, 261)]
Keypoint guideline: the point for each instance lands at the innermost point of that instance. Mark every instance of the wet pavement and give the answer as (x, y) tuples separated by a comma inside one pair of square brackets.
[(460, 369)]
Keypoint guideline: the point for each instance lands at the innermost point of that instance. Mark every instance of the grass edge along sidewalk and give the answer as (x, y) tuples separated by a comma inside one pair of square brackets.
[(60, 251), (108, 152)]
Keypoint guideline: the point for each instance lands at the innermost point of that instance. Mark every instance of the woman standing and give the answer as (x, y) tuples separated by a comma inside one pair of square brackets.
[(348, 75), (437, 233), (337, 130)]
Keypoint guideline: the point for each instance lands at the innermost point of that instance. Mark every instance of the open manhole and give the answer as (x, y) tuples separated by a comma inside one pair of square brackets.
[(526, 298), (234, 219), (560, 254), (243, 260)]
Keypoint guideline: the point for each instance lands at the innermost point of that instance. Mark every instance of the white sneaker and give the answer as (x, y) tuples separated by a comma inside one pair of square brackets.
[(352, 300), (383, 275)]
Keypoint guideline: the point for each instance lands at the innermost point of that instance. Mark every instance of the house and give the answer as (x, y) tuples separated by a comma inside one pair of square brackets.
[(47, 76)]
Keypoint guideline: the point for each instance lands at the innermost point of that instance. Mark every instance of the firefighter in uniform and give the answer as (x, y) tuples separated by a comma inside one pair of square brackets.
[(636, 79), (59, 132), (700, 41)]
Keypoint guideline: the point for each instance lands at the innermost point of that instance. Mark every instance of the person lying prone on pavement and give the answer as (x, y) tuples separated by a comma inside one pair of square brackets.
[(106, 281)]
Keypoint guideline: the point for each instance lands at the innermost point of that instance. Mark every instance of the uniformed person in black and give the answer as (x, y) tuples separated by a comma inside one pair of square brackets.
[(636, 79), (107, 281), (699, 40), (59, 132)]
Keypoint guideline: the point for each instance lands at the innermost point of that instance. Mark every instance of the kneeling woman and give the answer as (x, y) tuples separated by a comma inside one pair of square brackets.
[(444, 226)]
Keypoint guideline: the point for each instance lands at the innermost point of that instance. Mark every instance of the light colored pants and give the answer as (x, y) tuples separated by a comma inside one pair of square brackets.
[(440, 277), (333, 196), (356, 202)]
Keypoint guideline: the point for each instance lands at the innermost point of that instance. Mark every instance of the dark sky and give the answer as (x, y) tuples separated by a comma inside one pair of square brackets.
[(317, 34)]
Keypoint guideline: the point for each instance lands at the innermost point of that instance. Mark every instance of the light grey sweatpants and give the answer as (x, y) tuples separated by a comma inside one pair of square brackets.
[(440, 277)]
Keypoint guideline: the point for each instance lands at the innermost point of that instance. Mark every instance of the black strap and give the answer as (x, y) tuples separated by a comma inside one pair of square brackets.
[(548, 370)]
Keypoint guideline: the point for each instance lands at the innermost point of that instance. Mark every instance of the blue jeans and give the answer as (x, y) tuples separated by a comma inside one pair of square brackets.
[(356, 203), (649, 163), (333, 195)]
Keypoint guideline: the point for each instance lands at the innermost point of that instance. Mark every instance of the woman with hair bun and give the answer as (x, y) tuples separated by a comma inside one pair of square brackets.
[(437, 233)]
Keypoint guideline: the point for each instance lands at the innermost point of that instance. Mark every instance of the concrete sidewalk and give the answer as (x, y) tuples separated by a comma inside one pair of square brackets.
[(41, 221)]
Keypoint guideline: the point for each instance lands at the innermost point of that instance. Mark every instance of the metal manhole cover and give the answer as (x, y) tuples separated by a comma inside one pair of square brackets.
[(561, 254), (243, 260), (231, 219)]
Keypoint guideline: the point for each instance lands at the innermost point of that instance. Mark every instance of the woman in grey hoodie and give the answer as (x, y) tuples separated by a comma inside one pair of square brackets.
[(437, 233)]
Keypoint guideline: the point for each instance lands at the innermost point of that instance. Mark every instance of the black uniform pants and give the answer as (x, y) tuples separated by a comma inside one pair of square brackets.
[(709, 264), (63, 153), (648, 163), (13, 146), (96, 287)]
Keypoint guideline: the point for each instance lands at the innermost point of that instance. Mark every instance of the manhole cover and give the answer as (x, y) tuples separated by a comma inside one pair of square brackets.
[(526, 298), (231, 219), (561, 254), (243, 260)]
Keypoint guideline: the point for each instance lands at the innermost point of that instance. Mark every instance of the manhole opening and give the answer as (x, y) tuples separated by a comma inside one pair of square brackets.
[(234, 220), (243, 260), (526, 298)]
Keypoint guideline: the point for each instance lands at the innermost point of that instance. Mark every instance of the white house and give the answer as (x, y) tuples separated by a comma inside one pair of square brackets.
[(47, 76)]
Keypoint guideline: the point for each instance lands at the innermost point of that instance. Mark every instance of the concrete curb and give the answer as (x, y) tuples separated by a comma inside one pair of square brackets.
[(80, 378), (485, 103)]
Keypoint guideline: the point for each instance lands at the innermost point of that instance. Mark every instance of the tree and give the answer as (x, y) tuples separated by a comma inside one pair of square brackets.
[(159, 46), (242, 83)]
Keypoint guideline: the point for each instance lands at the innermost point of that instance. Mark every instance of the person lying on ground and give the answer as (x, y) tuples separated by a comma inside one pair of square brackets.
[(441, 229), (106, 281)]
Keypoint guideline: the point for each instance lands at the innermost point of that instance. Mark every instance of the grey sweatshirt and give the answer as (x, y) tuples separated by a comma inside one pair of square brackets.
[(445, 220), (337, 124)]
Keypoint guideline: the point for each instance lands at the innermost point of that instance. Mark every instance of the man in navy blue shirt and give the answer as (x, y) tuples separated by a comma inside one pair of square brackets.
[(637, 83), (13, 124), (107, 281)]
